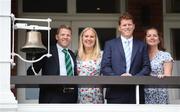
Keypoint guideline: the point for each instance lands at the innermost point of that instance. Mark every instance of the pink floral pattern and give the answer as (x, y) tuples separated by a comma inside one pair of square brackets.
[(89, 95)]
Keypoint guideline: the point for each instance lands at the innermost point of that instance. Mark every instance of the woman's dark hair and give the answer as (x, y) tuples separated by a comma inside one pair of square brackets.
[(161, 42)]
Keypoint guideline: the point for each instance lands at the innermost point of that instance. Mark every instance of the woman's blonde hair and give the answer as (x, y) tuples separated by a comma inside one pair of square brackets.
[(81, 50)]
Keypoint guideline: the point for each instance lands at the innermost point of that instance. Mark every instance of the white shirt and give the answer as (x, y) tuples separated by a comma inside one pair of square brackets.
[(62, 64), (130, 40)]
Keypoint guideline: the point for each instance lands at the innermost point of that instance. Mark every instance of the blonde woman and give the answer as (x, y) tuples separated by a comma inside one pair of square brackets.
[(89, 64)]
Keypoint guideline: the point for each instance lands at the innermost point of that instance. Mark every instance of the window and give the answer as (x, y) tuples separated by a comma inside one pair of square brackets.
[(98, 6), (173, 6), (176, 40), (45, 6)]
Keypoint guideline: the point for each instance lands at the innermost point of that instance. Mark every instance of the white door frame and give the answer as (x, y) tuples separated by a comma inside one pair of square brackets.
[(171, 21)]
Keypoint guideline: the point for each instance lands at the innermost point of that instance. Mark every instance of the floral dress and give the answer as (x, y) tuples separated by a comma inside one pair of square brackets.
[(89, 95), (154, 94)]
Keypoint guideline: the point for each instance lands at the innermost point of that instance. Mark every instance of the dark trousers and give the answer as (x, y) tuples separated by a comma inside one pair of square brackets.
[(127, 98), (57, 95)]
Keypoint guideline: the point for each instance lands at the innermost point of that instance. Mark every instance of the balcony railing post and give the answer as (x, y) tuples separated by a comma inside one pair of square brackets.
[(137, 94)]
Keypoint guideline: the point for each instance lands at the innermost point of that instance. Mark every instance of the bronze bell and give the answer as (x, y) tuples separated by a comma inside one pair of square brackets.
[(33, 43)]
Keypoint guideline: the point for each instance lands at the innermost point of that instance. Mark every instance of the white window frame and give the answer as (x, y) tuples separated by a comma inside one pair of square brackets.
[(171, 21)]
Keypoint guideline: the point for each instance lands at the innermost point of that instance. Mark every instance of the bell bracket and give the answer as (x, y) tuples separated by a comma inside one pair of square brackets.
[(16, 25)]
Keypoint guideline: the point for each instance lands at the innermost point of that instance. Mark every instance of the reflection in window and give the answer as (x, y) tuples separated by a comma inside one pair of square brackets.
[(98, 6), (104, 35), (173, 6), (176, 40), (52, 6)]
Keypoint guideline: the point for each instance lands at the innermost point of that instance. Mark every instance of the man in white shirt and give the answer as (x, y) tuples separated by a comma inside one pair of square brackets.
[(56, 65), (125, 56)]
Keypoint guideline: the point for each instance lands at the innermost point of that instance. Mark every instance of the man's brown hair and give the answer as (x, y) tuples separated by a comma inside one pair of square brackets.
[(63, 27), (126, 16)]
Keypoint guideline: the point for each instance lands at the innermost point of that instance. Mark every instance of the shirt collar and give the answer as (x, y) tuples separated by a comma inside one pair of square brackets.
[(60, 48), (125, 39)]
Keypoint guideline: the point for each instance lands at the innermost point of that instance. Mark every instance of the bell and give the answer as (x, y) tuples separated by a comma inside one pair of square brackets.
[(33, 43)]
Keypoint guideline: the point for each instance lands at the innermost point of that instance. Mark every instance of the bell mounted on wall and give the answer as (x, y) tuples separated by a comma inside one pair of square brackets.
[(33, 43)]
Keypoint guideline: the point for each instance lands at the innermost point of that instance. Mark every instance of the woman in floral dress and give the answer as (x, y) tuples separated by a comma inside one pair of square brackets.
[(88, 64), (161, 66)]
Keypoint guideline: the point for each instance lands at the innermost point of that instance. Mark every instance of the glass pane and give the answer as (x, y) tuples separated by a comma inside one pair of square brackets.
[(32, 94), (176, 40), (98, 6), (45, 6), (173, 6), (52, 36), (104, 35)]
